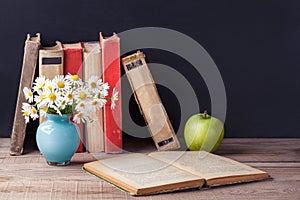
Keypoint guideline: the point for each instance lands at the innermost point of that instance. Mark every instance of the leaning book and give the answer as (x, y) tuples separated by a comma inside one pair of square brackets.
[(167, 171), (149, 102)]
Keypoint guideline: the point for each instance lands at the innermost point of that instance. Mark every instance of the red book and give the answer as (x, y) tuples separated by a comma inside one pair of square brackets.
[(73, 65), (112, 74)]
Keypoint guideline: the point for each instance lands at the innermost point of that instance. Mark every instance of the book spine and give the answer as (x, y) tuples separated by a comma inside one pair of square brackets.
[(73, 65), (112, 74), (30, 58), (51, 61), (92, 66), (149, 102)]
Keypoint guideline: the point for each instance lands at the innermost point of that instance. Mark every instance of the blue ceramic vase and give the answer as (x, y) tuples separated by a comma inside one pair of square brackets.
[(58, 139)]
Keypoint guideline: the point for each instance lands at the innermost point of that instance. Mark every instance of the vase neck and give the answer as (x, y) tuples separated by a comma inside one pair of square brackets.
[(62, 118)]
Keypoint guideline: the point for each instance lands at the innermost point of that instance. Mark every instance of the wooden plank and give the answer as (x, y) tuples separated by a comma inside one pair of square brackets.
[(101, 190), (261, 150)]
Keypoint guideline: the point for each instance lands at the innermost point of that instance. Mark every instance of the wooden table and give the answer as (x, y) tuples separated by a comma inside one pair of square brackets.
[(29, 177)]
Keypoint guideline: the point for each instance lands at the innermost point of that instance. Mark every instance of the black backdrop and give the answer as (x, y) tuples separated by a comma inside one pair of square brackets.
[(254, 43)]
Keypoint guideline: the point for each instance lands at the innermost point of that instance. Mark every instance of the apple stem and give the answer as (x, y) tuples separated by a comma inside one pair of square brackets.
[(205, 113)]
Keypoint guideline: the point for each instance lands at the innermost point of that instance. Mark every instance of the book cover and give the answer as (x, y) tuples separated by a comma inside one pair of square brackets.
[(92, 66), (112, 74), (51, 61), (149, 102), (166, 171), (31, 49), (73, 65)]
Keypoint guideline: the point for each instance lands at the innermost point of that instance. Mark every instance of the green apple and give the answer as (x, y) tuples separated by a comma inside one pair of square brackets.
[(203, 132)]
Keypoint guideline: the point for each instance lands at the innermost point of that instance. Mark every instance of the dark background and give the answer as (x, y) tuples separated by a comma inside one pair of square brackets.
[(254, 43)]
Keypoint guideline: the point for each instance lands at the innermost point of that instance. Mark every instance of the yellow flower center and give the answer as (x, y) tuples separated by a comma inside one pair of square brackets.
[(82, 95), (70, 96), (33, 110), (75, 77), (63, 103), (81, 105), (93, 85), (52, 97), (45, 109), (94, 103), (49, 87), (26, 114), (79, 115), (30, 93), (61, 84)]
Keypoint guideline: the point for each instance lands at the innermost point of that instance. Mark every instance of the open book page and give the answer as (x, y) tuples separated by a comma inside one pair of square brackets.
[(217, 170), (141, 174)]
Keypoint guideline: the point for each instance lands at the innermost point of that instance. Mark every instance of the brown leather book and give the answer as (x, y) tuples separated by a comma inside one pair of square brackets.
[(31, 49), (149, 102)]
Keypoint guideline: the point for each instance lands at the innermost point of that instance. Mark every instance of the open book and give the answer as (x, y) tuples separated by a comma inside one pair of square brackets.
[(157, 172)]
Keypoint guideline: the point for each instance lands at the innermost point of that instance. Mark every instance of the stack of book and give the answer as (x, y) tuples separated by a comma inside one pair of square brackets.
[(98, 58)]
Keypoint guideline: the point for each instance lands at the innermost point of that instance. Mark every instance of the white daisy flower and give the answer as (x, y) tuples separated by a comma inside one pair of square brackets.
[(83, 106), (81, 94), (26, 109), (69, 97), (96, 104), (39, 83), (28, 94), (94, 83), (114, 98), (80, 117), (34, 114), (74, 79), (60, 83), (52, 97)]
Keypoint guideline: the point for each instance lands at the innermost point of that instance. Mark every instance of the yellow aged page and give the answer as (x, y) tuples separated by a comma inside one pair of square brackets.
[(135, 172), (210, 166)]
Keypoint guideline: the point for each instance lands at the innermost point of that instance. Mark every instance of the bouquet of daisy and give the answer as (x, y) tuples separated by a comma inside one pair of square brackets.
[(66, 95)]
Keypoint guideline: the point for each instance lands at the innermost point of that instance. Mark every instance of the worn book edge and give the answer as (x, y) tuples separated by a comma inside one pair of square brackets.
[(30, 54)]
